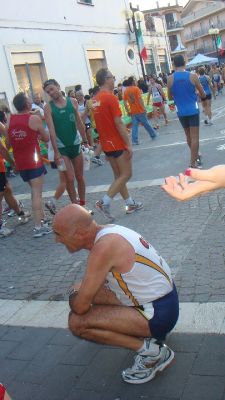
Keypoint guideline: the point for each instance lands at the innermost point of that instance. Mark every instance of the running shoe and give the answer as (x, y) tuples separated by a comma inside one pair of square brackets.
[(206, 122), (134, 207), (51, 207), (4, 231), (98, 161), (105, 210), (23, 219), (44, 230), (6, 210), (12, 213), (146, 367)]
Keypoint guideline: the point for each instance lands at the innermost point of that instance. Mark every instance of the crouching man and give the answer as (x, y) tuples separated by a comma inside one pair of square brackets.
[(127, 297)]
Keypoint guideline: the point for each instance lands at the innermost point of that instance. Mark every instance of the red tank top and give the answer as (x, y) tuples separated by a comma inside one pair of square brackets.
[(24, 142), (2, 164)]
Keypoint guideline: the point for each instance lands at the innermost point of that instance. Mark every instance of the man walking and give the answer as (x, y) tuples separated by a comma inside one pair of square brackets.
[(63, 120), (135, 107), (127, 297), (182, 86), (115, 143)]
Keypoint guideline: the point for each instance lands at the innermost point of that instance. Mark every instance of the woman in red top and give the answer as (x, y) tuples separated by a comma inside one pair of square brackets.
[(24, 132)]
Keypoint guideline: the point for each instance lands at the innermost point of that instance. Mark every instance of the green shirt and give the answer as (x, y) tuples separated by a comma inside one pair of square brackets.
[(65, 124)]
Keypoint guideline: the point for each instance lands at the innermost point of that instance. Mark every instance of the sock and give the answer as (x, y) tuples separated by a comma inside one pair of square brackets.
[(129, 201), (151, 349), (38, 227), (82, 202), (106, 200)]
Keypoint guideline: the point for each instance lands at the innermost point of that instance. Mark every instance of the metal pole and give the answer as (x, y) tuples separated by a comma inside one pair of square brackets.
[(217, 51), (138, 46)]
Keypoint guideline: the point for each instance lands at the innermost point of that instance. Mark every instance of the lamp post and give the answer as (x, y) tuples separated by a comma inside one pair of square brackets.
[(214, 32), (136, 16)]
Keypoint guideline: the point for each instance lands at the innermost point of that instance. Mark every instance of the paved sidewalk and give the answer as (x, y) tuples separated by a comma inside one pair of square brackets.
[(48, 363)]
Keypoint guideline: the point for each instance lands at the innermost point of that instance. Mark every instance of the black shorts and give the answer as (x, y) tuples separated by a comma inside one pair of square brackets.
[(114, 154), (189, 120), (29, 174), (208, 97), (3, 181)]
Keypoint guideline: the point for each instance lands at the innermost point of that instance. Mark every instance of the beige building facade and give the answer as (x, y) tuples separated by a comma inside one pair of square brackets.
[(198, 17)]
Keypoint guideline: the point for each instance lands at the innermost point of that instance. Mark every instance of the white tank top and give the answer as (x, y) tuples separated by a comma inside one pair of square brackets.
[(149, 278), (156, 96)]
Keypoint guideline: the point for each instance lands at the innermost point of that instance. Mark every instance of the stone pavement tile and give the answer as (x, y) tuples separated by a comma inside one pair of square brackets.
[(46, 361), (63, 337), (204, 388), (3, 330), (82, 353), (77, 394), (103, 370), (170, 383), (9, 369), (185, 343), (6, 347), (23, 391), (14, 333), (211, 358), (59, 382), (32, 344)]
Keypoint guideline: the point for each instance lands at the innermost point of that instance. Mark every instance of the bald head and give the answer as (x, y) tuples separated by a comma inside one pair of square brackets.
[(72, 225)]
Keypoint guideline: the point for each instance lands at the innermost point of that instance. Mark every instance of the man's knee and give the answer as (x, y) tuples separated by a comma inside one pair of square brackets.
[(74, 324)]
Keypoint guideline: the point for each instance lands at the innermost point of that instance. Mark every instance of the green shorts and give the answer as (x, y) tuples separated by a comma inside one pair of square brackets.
[(70, 151)]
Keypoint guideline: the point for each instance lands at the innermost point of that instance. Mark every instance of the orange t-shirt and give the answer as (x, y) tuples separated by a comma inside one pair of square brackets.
[(106, 108), (132, 95)]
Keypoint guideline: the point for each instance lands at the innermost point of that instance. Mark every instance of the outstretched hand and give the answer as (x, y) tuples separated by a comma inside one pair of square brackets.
[(205, 181)]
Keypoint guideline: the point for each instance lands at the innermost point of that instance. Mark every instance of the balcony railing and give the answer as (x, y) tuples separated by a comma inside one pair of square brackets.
[(204, 31), (203, 12), (201, 50), (174, 25)]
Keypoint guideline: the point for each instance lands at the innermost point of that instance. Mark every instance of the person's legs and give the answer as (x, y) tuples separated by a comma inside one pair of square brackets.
[(163, 112), (36, 185), (69, 175), (155, 117), (209, 109), (89, 137), (194, 136), (135, 124), (11, 200), (77, 163), (116, 172), (51, 204), (144, 120), (124, 168)]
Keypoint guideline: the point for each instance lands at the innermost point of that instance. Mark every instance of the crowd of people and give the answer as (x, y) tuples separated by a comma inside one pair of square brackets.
[(127, 297)]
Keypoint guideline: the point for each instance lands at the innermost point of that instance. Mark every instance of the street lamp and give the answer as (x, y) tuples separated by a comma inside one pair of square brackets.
[(214, 32), (136, 16)]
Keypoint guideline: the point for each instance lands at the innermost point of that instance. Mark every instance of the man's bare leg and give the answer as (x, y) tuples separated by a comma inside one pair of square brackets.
[(125, 172), (78, 167), (69, 174), (116, 171), (194, 135)]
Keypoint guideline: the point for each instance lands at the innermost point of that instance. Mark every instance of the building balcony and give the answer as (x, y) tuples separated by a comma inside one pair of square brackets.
[(202, 50), (203, 12), (174, 26), (204, 31)]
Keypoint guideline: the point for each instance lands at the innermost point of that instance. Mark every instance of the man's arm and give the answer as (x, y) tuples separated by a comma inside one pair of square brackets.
[(206, 181), (197, 83), (80, 124), (169, 85), (51, 128), (100, 262), (36, 124), (123, 133)]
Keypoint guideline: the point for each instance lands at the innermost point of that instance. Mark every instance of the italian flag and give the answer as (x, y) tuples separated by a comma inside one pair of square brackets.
[(142, 47), (219, 45)]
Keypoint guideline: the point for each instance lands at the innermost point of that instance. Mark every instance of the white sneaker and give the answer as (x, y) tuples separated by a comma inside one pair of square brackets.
[(23, 219), (50, 205), (105, 210), (137, 205), (5, 231), (146, 367), (12, 213), (44, 230)]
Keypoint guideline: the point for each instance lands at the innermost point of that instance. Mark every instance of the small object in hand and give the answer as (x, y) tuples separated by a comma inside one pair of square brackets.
[(188, 172), (62, 165)]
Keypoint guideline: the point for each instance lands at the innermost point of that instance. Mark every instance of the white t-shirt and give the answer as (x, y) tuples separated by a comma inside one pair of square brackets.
[(150, 277)]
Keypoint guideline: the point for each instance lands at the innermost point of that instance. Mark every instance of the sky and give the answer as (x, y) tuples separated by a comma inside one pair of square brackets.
[(148, 4)]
